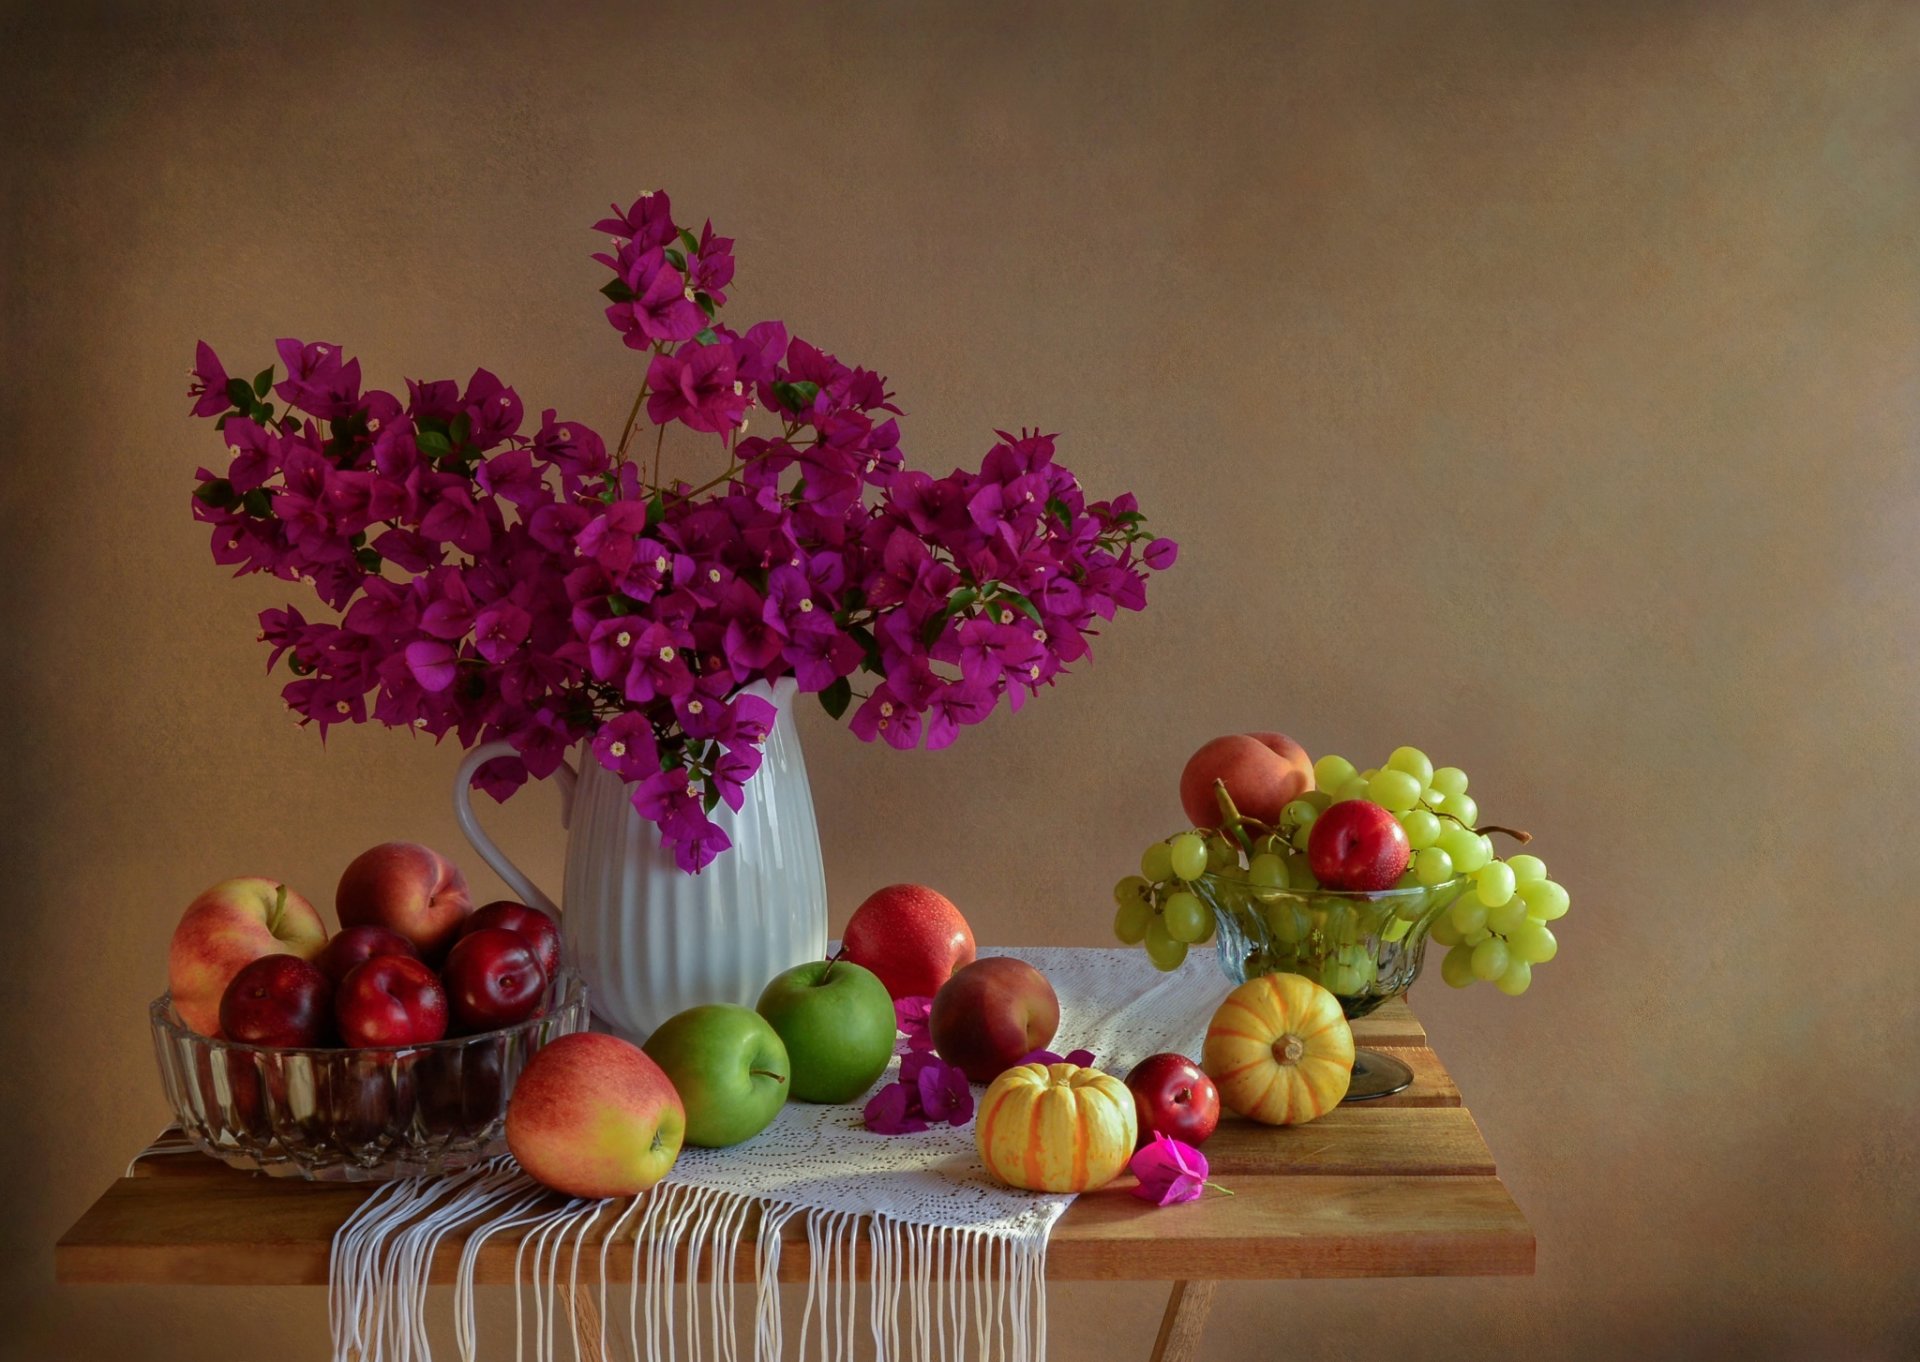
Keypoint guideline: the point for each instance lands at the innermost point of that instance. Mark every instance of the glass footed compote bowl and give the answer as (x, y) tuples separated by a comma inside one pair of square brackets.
[(1363, 948)]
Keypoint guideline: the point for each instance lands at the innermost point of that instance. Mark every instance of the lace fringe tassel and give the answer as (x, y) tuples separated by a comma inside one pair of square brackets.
[(934, 1292)]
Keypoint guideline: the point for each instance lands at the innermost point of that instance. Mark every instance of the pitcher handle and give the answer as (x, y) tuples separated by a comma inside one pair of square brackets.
[(528, 891)]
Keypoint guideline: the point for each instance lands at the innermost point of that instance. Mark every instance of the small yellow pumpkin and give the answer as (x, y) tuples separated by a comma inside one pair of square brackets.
[(1280, 1050), (1055, 1127)]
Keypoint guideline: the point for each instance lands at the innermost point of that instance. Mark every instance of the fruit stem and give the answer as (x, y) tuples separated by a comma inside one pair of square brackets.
[(1518, 834), (1224, 1191), (767, 1073), (1231, 814), (1289, 1048), (832, 960), (279, 910)]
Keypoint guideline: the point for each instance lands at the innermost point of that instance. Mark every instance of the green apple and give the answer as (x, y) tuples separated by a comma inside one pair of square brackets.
[(836, 1018), (729, 1067)]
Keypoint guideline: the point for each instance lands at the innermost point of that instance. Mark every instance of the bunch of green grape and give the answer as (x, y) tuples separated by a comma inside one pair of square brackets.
[(1495, 932)]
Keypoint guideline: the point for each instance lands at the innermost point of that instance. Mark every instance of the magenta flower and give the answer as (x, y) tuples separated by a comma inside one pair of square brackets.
[(928, 1091), (910, 1016), (489, 581), (209, 386), (1170, 1171), (894, 1110), (1082, 1059)]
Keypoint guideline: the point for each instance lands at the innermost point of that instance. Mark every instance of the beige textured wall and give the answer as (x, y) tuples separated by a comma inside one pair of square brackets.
[(1536, 383)]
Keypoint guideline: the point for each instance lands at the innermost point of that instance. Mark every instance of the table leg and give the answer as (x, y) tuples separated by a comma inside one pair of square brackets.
[(585, 1305), (1185, 1320)]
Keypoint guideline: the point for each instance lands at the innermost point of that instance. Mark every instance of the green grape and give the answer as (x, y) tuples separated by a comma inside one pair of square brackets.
[(1469, 853), (1433, 866), (1130, 922), (1185, 916), (1494, 883), (1187, 855), (1299, 813), (1300, 873), (1469, 915), (1490, 959), (1395, 791), (1457, 967), (1235, 873), (1156, 862), (1407, 880), (1273, 844), (1165, 952), (1396, 930), (1370, 773), (1477, 937), (1320, 799), (1443, 932), (1507, 918), (1267, 872), (1287, 922), (1449, 780), (1221, 853), (1421, 827), (1414, 762), (1514, 979), (1347, 971), (1330, 772), (1527, 869), (1546, 900), (1301, 836), (1534, 943), (1132, 889), (1462, 806), (1355, 788)]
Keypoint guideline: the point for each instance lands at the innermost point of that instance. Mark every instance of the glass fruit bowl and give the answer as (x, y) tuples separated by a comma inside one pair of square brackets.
[(341, 1115), (1363, 948)]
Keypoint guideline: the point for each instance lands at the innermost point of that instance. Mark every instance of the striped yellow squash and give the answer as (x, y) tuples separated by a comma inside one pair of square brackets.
[(1280, 1050), (1055, 1127)]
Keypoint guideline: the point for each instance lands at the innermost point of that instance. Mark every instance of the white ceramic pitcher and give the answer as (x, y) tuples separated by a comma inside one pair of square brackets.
[(651, 940)]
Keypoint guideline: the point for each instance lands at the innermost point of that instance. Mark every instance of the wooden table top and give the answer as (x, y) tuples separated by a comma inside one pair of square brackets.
[(1401, 1186)]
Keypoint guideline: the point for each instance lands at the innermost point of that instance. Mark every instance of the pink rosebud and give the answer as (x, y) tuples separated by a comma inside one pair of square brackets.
[(1170, 1171)]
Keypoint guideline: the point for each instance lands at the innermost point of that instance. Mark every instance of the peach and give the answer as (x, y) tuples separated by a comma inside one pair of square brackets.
[(409, 889), (1263, 772), (226, 929), (594, 1116), (991, 1015)]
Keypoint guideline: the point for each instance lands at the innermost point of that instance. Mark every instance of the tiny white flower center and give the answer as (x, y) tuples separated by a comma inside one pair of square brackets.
[(695, 707), (342, 707), (693, 790), (886, 707), (233, 451), (806, 606), (560, 433), (738, 387), (666, 652), (660, 563), (420, 722), (373, 424), (618, 749), (624, 639), (713, 574), (1006, 615)]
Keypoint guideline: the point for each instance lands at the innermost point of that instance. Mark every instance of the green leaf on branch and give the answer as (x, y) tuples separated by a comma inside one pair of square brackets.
[(835, 698), (368, 559), (1023, 605), (433, 442), (691, 242), (218, 494), (258, 502), (678, 261), (240, 393), (796, 397), (1058, 510), (459, 429), (262, 381), (616, 291), (656, 509), (622, 604), (706, 305), (706, 336)]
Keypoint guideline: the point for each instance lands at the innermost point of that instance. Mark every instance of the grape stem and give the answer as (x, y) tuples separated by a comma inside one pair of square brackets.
[(1235, 821), (1518, 834)]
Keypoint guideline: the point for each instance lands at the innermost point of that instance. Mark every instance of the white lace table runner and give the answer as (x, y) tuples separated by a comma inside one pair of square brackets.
[(954, 1255)]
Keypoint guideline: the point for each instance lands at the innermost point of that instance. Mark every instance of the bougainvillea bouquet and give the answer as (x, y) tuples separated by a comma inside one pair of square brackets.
[(495, 581)]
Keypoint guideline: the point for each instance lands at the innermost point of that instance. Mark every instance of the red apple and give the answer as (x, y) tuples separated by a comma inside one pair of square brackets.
[(910, 936), (408, 888), (1357, 845), (356, 945), (1172, 1096), (230, 925), (594, 1116), (278, 1000), (493, 979), (991, 1014), (390, 1000), (540, 930), (1263, 773)]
